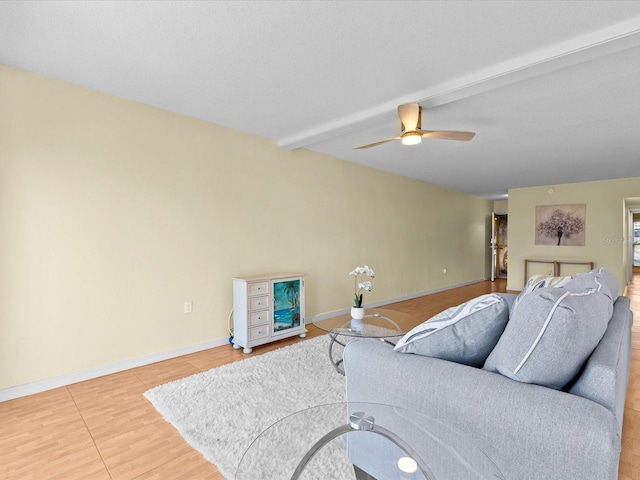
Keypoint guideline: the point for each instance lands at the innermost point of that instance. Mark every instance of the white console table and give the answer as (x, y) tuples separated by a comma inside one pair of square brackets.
[(556, 266)]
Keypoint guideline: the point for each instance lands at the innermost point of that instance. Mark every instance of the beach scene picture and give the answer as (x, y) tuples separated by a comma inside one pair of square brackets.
[(286, 305)]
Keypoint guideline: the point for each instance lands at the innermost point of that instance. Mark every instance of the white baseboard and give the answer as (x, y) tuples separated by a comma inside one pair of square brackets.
[(336, 313), (75, 377)]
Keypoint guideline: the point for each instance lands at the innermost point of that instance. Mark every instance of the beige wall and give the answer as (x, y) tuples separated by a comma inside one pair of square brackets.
[(501, 206), (113, 214), (606, 239)]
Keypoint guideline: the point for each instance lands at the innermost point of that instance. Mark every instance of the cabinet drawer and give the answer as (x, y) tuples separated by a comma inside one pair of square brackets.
[(259, 303), (258, 318), (256, 333), (261, 288)]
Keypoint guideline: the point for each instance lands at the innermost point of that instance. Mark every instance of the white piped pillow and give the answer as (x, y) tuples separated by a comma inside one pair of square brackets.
[(551, 335), (463, 334), (539, 281)]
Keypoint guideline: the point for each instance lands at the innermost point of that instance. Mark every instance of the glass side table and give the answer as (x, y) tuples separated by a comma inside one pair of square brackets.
[(378, 323), (355, 441)]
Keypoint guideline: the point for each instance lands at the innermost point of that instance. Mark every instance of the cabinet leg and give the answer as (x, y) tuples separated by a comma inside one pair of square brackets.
[(236, 346), (247, 350), (302, 335)]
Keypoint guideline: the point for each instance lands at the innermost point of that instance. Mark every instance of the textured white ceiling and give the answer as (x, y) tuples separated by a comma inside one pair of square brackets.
[(552, 89)]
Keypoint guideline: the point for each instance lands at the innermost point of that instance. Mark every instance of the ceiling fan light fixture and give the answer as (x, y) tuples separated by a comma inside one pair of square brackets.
[(410, 115), (411, 138)]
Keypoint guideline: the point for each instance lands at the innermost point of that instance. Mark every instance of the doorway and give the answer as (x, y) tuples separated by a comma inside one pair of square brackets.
[(635, 230), (499, 246)]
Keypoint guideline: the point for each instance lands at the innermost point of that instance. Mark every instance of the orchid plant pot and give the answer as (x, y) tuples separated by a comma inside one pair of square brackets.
[(357, 313)]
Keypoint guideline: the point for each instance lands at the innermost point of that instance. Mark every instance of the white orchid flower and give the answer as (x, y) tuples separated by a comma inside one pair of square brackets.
[(360, 286), (366, 270)]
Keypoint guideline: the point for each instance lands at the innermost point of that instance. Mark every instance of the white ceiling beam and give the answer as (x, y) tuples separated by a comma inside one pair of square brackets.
[(606, 41)]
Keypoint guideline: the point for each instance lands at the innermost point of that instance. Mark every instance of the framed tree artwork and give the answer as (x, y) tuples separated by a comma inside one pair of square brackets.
[(562, 225)]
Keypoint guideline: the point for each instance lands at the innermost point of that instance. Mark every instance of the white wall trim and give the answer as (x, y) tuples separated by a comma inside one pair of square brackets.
[(63, 380), (336, 313)]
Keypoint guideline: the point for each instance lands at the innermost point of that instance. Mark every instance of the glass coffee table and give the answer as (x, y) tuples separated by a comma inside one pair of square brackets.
[(364, 441), (383, 324)]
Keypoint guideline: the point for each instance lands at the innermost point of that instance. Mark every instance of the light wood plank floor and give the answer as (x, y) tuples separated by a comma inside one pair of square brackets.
[(104, 429)]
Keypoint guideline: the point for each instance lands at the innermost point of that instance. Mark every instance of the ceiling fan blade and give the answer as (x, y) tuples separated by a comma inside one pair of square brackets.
[(409, 114), (447, 135), (375, 144)]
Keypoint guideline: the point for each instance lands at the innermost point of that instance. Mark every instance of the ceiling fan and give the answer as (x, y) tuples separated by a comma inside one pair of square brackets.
[(410, 116)]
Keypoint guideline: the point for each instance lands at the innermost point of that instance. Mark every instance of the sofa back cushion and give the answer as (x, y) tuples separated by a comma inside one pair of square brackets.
[(463, 334), (550, 336)]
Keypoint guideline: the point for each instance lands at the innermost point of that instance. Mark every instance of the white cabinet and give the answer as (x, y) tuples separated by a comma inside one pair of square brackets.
[(267, 308)]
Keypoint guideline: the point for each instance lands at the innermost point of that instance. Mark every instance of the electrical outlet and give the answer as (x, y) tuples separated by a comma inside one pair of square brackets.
[(188, 307)]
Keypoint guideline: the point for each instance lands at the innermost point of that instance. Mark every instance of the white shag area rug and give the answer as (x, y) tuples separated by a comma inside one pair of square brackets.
[(220, 412)]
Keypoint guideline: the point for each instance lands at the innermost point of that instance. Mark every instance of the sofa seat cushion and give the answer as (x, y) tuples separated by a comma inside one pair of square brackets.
[(463, 334), (550, 336)]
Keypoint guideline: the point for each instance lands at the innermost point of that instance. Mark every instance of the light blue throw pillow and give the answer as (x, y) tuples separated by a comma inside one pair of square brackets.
[(463, 334), (539, 281), (550, 336), (597, 280)]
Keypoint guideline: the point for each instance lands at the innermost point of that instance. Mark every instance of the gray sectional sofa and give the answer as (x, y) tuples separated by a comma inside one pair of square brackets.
[(548, 421)]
